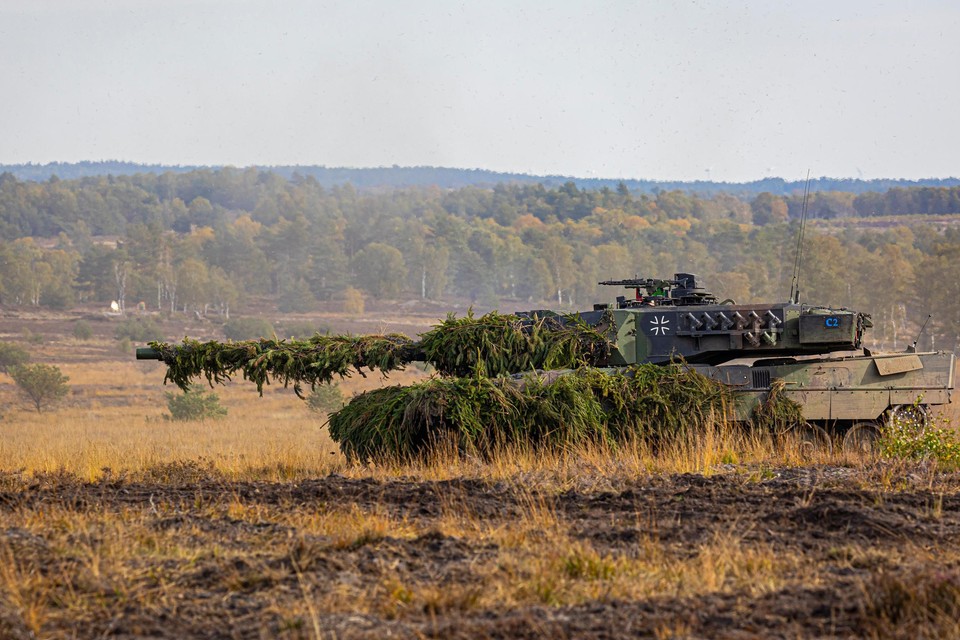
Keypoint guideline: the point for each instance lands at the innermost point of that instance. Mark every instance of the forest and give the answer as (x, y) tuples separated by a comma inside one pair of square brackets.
[(208, 241)]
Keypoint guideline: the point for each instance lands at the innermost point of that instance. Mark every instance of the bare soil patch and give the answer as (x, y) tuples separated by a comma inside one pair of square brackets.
[(408, 558)]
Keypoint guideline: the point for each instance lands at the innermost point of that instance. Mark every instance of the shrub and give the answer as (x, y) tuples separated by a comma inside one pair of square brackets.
[(353, 301), (777, 412), (44, 384), (194, 404), (138, 329), (82, 330), (11, 356), (325, 398), (908, 438), (247, 328)]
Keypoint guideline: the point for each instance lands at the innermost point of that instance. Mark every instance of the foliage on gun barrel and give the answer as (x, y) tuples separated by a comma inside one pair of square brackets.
[(492, 344), (314, 361), (480, 415)]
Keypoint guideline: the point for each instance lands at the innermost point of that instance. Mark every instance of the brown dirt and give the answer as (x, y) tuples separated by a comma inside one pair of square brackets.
[(848, 526)]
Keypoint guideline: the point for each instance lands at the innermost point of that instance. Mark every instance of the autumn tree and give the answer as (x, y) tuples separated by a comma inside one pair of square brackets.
[(62, 273), (31, 275), (937, 292), (768, 209), (224, 294), (352, 301), (21, 273), (121, 273), (433, 274)]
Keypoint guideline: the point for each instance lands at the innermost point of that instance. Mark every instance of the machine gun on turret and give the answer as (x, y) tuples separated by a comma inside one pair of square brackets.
[(682, 290)]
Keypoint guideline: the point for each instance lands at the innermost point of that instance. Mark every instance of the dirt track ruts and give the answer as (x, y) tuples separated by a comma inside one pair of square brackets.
[(824, 516)]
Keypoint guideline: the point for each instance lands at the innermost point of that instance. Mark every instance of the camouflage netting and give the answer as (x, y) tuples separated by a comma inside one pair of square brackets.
[(776, 411), (498, 345), (480, 415), (491, 345)]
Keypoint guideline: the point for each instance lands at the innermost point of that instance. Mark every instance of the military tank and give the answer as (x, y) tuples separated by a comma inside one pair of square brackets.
[(815, 354), (810, 355)]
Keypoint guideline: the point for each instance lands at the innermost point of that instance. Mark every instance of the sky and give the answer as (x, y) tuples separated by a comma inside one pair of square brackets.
[(663, 90)]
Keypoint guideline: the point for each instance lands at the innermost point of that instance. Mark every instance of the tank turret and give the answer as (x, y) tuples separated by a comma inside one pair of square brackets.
[(679, 319)]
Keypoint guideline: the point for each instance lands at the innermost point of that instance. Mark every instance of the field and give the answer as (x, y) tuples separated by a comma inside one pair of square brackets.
[(115, 522)]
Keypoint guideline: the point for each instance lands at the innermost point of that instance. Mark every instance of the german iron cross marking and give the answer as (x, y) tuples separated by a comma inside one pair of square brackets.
[(660, 327)]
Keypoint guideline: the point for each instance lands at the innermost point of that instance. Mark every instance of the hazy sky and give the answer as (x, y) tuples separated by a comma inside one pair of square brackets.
[(659, 89)]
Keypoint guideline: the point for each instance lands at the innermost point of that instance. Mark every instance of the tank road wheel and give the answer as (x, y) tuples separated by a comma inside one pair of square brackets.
[(862, 439), (812, 438), (908, 417)]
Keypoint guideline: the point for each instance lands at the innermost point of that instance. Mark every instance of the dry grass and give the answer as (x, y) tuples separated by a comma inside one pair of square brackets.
[(88, 443), (114, 420), (65, 567), (276, 437)]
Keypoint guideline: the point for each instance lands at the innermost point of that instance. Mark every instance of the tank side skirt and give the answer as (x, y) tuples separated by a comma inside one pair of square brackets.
[(847, 390)]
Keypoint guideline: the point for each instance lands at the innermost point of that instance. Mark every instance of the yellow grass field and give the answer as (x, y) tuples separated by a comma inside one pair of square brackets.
[(115, 418)]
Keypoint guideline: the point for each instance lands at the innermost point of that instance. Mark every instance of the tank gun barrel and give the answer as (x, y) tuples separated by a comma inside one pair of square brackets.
[(148, 353)]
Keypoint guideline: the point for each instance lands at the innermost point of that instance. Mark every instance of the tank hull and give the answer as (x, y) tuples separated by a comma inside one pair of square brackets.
[(841, 388)]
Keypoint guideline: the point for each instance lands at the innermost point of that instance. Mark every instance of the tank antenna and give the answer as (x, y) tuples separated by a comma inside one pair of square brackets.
[(798, 256), (920, 333)]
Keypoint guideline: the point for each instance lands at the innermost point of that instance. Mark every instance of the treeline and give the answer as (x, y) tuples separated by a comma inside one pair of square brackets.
[(450, 178), (106, 205), (205, 241)]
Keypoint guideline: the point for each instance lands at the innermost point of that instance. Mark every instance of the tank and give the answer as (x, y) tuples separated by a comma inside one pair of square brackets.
[(812, 355), (815, 354)]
